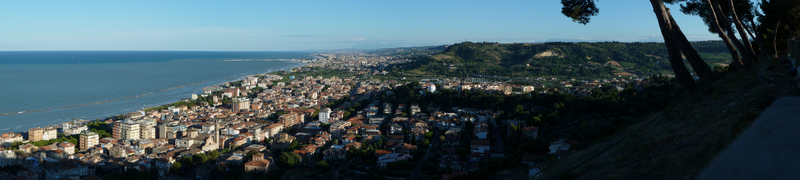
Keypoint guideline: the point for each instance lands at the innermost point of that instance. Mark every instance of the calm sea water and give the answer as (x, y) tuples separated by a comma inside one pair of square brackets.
[(34, 80)]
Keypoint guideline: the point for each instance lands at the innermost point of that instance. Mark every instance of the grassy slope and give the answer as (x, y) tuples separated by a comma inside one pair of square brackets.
[(679, 142)]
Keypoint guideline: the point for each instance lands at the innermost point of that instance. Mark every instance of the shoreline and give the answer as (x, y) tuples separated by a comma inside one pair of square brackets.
[(85, 121)]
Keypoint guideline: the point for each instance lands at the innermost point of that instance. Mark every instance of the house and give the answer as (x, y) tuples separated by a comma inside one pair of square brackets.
[(392, 157), (481, 132), (530, 131), (463, 166), (478, 156), (163, 165), (452, 139), (497, 151), (479, 146), (528, 159), (448, 160), (559, 146), (395, 128), (395, 138), (67, 147), (303, 154), (444, 124), (377, 119), (255, 147), (257, 164), (7, 138), (380, 152), (335, 152), (348, 139)]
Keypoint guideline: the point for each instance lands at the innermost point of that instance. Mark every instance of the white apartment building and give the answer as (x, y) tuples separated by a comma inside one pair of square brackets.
[(325, 115)]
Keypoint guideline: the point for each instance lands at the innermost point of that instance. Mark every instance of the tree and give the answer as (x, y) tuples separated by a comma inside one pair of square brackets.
[(199, 158), (322, 165), (113, 176), (719, 17), (154, 173), (176, 167), (288, 159), (144, 174), (294, 145), (780, 21), (213, 155), (580, 11), (187, 164), (429, 134), (249, 155)]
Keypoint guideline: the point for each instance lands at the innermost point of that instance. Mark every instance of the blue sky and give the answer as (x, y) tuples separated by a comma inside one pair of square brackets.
[(311, 25)]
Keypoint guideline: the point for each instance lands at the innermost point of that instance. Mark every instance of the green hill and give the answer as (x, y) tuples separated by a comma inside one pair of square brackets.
[(599, 59)]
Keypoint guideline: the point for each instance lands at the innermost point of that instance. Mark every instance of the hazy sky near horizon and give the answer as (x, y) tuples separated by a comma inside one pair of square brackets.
[(311, 25)]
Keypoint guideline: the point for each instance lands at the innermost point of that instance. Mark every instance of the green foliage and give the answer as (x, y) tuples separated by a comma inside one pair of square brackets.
[(154, 175), (72, 139), (288, 159), (785, 14), (579, 11), (294, 145), (199, 158), (213, 155), (322, 165), (408, 51), (428, 134), (187, 164), (249, 155), (199, 102), (176, 167), (113, 176), (425, 143)]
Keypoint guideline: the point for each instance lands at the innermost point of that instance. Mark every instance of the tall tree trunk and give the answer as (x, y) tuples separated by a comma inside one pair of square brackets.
[(775, 37), (736, 43), (678, 67), (722, 19), (758, 39), (700, 67), (681, 72), (748, 49), (736, 63)]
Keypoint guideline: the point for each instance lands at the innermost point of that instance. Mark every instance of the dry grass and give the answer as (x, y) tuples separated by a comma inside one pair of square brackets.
[(441, 56), (614, 63), (679, 142), (623, 74)]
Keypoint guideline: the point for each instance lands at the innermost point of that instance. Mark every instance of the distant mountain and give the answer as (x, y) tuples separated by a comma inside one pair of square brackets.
[(556, 59)]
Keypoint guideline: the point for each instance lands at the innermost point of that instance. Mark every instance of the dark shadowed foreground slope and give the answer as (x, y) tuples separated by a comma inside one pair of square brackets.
[(681, 141)]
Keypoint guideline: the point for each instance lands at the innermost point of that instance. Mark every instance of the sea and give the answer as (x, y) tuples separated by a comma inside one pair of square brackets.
[(43, 88)]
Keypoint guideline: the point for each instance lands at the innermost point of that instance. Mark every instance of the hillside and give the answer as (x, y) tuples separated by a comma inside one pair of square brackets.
[(420, 50), (600, 59), (680, 141)]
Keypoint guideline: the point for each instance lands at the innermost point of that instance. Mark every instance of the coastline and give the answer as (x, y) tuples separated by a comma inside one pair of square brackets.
[(238, 79), (85, 121)]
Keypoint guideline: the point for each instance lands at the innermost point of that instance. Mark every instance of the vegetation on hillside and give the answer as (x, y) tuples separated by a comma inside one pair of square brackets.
[(564, 59), (420, 50)]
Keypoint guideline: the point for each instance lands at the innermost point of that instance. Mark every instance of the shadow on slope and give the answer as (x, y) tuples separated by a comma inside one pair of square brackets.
[(681, 141)]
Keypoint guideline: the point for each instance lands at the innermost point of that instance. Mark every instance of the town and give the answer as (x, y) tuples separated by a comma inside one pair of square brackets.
[(277, 126)]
